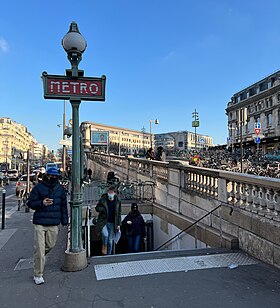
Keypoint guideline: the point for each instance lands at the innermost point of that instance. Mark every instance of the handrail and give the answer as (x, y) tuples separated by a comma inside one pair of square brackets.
[(194, 223)]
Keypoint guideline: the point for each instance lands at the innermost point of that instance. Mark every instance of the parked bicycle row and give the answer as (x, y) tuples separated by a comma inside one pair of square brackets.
[(224, 160)]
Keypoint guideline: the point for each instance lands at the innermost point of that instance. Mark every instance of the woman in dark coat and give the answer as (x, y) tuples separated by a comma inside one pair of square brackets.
[(134, 227)]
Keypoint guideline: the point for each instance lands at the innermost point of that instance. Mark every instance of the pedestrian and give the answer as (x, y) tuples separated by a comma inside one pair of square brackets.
[(109, 219), (150, 154), (134, 228), (48, 200), (161, 156), (89, 172)]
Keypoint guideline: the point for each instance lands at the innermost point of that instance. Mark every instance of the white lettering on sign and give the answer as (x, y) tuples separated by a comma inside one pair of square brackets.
[(74, 84), (83, 88), (74, 87), (65, 87), (93, 88), (55, 83)]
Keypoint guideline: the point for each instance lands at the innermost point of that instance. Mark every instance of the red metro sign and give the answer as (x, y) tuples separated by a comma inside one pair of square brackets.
[(82, 88)]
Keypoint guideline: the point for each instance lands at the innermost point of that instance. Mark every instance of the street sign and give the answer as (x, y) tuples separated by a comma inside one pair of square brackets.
[(258, 140), (258, 136), (195, 123), (69, 152), (65, 142), (257, 131), (99, 138), (258, 125), (82, 88)]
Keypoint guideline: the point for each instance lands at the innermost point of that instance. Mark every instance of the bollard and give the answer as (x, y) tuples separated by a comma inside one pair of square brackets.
[(3, 208)]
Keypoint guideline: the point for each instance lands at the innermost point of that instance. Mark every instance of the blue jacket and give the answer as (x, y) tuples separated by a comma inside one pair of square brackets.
[(51, 215)]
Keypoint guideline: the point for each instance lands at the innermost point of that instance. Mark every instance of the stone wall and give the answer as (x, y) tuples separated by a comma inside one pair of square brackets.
[(246, 209)]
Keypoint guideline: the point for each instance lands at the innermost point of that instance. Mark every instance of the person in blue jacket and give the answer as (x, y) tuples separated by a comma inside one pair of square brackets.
[(48, 199), (134, 227)]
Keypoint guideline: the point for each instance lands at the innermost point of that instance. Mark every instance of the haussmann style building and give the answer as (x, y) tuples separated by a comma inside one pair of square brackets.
[(254, 116)]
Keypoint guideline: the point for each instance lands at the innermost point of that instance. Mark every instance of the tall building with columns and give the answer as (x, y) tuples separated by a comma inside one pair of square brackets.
[(256, 106)]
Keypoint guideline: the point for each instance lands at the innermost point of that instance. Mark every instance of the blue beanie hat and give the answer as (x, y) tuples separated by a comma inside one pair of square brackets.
[(52, 171)]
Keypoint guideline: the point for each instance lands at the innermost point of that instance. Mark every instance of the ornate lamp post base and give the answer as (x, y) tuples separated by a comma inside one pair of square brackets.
[(74, 261)]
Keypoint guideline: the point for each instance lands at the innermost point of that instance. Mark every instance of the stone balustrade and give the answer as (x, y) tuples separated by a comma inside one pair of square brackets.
[(250, 205)]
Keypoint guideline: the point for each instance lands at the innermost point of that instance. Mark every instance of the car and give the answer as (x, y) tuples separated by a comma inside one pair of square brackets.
[(12, 174), (22, 183)]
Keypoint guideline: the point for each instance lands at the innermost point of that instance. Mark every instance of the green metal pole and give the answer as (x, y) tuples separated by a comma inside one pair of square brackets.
[(76, 195)]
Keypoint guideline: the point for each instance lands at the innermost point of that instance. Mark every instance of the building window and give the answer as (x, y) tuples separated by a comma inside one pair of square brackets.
[(252, 91), (263, 86), (269, 119)]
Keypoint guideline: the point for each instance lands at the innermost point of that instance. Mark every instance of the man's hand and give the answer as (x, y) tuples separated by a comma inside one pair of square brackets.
[(47, 202), (129, 222)]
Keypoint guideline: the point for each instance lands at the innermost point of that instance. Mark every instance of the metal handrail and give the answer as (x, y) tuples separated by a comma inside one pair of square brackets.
[(193, 224)]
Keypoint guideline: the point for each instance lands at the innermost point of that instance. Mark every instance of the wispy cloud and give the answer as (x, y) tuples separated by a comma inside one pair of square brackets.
[(3, 45), (169, 56)]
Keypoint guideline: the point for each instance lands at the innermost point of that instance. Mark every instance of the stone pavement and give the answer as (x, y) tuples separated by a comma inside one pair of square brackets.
[(201, 278)]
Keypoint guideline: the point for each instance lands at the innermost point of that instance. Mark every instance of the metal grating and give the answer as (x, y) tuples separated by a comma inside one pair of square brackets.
[(24, 264), (155, 266)]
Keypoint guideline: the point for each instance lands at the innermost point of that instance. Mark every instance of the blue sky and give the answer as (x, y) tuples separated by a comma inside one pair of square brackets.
[(162, 59)]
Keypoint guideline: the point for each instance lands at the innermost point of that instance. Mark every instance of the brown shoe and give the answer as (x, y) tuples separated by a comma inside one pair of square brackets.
[(104, 249)]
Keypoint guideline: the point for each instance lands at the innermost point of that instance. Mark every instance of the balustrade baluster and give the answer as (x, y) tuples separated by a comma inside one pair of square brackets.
[(201, 185), (250, 197), (277, 203), (238, 195), (216, 187), (232, 193), (244, 196), (204, 186), (207, 190), (263, 204), (256, 199), (271, 203)]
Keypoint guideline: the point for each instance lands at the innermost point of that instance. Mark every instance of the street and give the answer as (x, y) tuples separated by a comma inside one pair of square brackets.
[(11, 199)]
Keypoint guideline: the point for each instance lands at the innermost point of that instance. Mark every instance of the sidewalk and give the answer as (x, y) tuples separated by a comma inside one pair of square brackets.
[(157, 279)]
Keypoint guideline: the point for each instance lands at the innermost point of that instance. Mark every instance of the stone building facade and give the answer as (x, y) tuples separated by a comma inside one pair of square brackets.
[(15, 140), (120, 140), (183, 141), (256, 106)]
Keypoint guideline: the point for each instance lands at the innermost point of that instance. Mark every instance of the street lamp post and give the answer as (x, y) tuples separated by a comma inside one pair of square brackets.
[(156, 121), (195, 124), (64, 138), (74, 44), (75, 88), (242, 120)]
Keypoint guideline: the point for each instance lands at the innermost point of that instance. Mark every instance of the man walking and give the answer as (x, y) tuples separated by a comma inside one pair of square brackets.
[(109, 218), (48, 199)]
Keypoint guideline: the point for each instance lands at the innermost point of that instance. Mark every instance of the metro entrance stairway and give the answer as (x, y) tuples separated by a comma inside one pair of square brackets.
[(121, 266)]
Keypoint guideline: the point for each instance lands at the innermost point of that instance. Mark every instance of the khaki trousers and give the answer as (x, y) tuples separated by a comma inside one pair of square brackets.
[(44, 240)]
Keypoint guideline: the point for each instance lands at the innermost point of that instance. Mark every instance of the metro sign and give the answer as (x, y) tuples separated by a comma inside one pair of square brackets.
[(82, 88)]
